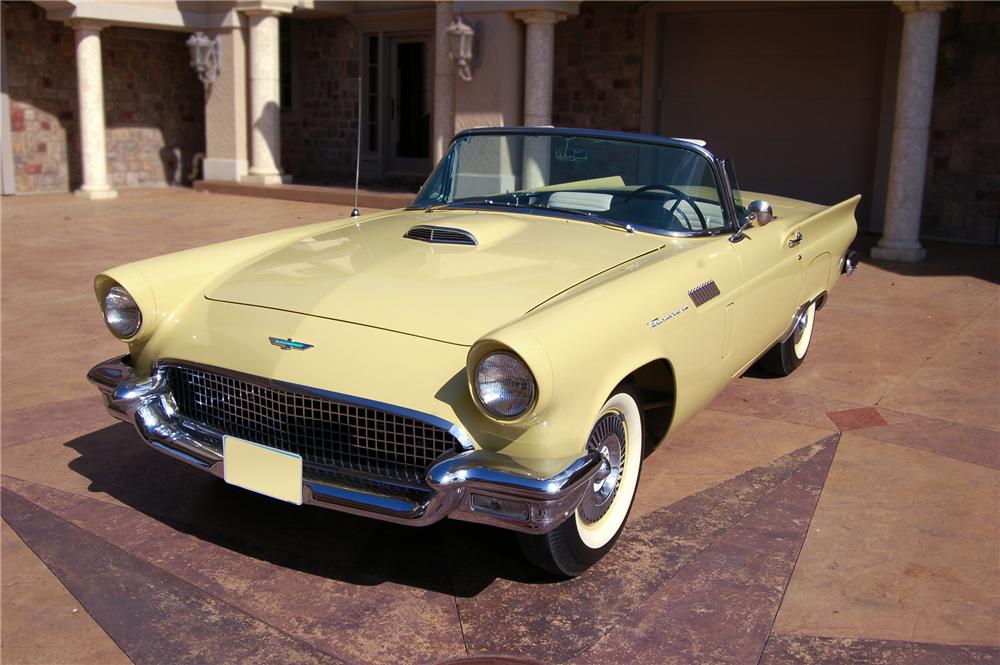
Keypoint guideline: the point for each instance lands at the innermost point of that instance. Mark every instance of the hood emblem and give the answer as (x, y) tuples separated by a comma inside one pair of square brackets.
[(289, 344)]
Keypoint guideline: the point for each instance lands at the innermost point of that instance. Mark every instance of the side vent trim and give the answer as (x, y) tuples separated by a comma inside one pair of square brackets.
[(440, 234), (702, 293)]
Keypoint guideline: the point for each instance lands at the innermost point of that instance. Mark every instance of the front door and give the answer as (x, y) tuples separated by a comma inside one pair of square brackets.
[(772, 270), (410, 105)]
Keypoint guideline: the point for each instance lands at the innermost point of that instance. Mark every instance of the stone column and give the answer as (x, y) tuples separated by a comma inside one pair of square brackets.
[(226, 112), (265, 98), (7, 183), (911, 132), (444, 81), (539, 62), (90, 104)]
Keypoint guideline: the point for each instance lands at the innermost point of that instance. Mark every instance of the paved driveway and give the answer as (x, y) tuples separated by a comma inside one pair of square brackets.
[(845, 514)]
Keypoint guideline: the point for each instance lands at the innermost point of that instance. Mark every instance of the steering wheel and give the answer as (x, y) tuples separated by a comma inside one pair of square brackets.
[(678, 195)]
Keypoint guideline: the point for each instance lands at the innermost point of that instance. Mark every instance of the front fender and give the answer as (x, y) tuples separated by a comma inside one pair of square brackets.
[(601, 333)]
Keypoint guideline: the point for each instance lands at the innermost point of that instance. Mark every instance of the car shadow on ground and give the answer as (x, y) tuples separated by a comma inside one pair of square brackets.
[(448, 557)]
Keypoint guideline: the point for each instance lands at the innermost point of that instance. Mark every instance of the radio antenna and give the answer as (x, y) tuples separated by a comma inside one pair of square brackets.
[(357, 160)]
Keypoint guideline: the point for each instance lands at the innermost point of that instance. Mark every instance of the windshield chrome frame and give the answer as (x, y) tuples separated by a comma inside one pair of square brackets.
[(722, 184)]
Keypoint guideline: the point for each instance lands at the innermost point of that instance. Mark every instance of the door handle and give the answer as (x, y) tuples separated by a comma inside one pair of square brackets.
[(796, 239)]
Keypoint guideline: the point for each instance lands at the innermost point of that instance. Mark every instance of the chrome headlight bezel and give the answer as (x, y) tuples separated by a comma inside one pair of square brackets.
[(515, 371), (122, 314)]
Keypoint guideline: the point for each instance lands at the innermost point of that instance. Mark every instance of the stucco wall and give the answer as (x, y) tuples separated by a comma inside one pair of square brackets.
[(962, 198), (598, 67), (153, 103), (318, 132), (495, 95)]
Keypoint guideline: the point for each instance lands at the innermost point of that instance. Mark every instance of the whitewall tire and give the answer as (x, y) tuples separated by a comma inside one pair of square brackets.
[(786, 356), (588, 534), (803, 332)]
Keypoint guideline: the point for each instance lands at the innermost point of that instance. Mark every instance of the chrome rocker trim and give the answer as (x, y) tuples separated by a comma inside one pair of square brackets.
[(472, 485)]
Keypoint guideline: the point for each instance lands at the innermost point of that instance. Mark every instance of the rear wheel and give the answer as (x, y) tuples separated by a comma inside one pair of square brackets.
[(591, 532), (785, 357)]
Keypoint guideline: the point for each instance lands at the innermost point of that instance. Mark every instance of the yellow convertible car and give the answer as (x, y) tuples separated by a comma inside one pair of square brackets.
[(506, 350)]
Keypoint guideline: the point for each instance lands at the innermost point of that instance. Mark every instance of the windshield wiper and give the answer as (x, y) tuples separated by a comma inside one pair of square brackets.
[(603, 221)]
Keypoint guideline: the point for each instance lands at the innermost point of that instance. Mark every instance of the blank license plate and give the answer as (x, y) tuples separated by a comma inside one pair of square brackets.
[(264, 470)]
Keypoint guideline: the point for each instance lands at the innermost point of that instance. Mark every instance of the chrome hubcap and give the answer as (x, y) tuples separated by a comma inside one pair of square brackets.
[(609, 439)]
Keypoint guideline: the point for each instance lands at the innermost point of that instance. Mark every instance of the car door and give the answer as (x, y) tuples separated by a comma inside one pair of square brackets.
[(771, 269)]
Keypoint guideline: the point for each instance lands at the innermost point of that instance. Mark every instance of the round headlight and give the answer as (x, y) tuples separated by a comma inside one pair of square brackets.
[(121, 314), (504, 385)]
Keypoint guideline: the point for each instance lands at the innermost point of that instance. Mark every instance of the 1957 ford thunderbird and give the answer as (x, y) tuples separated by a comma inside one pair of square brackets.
[(506, 350)]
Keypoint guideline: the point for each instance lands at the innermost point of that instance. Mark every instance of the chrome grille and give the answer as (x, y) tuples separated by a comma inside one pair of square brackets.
[(440, 234), (358, 445)]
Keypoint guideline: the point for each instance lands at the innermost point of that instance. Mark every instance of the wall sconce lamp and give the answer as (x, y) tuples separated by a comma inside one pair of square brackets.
[(206, 56), (465, 46)]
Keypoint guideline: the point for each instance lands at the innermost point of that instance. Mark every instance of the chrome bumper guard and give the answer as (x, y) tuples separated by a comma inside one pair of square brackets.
[(474, 485)]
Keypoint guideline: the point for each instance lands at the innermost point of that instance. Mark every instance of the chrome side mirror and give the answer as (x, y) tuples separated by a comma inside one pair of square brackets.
[(759, 211)]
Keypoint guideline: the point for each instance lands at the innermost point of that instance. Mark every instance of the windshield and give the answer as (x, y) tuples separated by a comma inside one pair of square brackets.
[(661, 188)]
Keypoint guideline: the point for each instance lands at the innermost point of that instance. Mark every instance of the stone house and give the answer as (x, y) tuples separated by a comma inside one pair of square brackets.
[(815, 100)]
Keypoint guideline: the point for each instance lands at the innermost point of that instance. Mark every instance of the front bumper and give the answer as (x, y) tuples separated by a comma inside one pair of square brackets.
[(474, 485)]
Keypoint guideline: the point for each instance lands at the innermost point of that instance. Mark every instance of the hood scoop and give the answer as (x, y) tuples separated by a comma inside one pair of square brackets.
[(440, 234)]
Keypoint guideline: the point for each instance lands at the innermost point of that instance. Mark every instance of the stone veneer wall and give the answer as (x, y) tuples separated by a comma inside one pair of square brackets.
[(598, 68), (962, 197), (41, 82), (154, 103), (318, 132), (155, 107)]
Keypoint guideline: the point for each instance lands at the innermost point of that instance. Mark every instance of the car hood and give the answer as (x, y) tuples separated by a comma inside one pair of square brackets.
[(368, 273)]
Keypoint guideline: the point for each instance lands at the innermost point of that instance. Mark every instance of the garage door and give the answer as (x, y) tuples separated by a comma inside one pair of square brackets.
[(792, 95)]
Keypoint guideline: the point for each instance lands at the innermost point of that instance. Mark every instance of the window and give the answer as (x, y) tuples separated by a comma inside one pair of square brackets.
[(371, 85)]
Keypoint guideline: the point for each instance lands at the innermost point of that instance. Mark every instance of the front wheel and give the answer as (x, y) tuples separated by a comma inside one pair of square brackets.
[(786, 356), (591, 532)]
